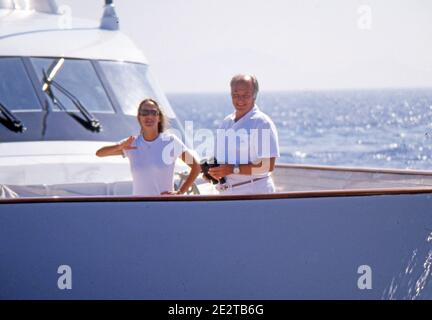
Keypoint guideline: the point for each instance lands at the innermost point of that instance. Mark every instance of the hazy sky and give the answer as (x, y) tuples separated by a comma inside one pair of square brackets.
[(197, 45)]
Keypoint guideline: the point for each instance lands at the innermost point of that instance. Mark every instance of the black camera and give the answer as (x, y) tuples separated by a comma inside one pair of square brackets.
[(206, 165)]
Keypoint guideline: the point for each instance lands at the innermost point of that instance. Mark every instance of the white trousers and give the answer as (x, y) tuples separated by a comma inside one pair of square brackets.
[(255, 187)]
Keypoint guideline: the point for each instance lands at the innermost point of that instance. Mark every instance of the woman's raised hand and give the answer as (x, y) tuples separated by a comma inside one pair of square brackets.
[(127, 144)]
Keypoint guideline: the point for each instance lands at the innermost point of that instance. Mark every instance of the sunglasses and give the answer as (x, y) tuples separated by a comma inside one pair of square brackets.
[(146, 112)]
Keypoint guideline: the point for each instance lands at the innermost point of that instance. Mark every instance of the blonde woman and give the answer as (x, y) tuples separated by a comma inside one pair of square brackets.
[(153, 153)]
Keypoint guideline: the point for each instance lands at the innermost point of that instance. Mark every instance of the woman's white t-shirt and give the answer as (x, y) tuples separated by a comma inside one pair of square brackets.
[(152, 163)]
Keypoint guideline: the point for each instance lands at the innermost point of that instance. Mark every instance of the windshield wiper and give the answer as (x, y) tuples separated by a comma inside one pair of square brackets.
[(49, 81), (94, 123), (18, 125)]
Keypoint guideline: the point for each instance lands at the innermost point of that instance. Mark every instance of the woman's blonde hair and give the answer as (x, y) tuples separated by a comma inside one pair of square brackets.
[(163, 121)]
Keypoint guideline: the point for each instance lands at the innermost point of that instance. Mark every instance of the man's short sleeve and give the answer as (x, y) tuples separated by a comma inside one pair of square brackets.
[(268, 142)]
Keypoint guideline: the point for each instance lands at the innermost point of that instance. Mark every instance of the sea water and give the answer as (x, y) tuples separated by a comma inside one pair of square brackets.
[(389, 128)]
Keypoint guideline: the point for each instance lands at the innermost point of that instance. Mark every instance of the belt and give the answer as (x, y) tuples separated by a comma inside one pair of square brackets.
[(223, 187)]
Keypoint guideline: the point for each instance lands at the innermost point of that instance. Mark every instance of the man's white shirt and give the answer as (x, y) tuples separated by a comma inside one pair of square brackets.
[(252, 137)]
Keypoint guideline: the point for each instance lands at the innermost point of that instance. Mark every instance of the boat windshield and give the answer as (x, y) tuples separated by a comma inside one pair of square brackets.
[(80, 78), (131, 82), (100, 85), (16, 90)]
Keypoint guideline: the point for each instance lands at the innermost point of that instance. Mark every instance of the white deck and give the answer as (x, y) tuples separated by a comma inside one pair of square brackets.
[(288, 178), (313, 178)]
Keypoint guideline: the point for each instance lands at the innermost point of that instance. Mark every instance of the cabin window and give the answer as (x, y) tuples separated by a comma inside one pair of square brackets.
[(16, 90), (132, 83), (79, 78)]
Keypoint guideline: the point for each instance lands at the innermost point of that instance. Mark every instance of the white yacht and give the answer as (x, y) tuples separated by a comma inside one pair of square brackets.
[(70, 228)]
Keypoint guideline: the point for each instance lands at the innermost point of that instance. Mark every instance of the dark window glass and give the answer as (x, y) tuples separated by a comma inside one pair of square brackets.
[(16, 90), (132, 83), (79, 78)]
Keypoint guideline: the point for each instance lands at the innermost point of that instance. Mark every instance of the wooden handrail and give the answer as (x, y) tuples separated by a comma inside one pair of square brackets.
[(355, 169), (273, 196)]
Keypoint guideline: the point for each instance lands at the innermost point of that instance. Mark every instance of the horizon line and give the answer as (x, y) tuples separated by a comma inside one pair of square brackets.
[(308, 90)]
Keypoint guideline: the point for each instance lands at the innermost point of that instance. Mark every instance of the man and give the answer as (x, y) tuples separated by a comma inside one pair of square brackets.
[(247, 143)]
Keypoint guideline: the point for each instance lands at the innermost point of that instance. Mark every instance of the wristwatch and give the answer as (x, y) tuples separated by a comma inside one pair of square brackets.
[(236, 169)]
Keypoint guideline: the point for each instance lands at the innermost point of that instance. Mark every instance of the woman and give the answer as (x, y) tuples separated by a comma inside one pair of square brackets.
[(153, 153)]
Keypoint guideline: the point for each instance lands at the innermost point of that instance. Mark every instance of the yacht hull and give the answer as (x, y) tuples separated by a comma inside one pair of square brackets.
[(267, 248)]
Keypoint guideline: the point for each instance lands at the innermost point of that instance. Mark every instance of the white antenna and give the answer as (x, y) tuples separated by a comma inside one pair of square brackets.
[(109, 19)]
